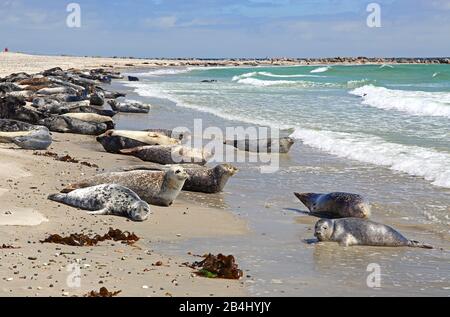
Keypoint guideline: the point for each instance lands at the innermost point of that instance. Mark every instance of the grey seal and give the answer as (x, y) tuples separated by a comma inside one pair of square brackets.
[(335, 205), (281, 145), (65, 124), (129, 106), (155, 187), (113, 141), (24, 135), (355, 231), (107, 199), (201, 179), (166, 154)]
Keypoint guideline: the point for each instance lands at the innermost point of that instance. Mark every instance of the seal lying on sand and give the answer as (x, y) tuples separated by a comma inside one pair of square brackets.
[(129, 106), (27, 136), (201, 179), (282, 145), (106, 200), (182, 135), (65, 124), (335, 205), (115, 140), (354, 231), (92, 118), (166, 154), (156, 188)]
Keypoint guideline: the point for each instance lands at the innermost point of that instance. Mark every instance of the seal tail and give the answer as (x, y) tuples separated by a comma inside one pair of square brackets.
[(57, 197), (416, 244)]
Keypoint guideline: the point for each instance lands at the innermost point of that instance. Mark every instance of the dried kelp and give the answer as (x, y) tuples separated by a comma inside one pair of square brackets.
[(219, 266), (65, 158), (82, 240), (102, 293), (7, 246)]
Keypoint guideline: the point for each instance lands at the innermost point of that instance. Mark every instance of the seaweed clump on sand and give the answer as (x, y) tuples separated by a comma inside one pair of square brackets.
[(65, 158), (219, 266), (82, 240), (102, 293), (7, 246)]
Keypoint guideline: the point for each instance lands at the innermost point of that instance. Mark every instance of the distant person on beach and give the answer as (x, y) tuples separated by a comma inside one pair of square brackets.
[(6, 50)]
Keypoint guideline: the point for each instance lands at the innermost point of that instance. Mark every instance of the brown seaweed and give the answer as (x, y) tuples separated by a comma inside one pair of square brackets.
[(102, 293), (219, 266), (65, 158), (82, 240)]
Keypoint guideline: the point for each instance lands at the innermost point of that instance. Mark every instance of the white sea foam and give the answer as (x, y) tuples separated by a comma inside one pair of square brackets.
[(163, 72), (429, 164), (432, 165), (386, 66), (264, 83), (269, 74), (419, 103), (321, 69)]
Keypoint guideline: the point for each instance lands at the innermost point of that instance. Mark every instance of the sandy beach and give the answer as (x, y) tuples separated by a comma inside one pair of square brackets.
[(27, 217)]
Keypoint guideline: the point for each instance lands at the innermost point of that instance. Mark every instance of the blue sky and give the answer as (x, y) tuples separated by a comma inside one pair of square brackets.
[(227, 28)]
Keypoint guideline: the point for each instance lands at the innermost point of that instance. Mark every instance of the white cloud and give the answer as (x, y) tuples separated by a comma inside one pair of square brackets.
[(165, 22)]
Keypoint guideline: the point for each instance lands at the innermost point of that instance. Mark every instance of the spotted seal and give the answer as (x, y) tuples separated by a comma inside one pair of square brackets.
[(201, 179), (155, 187), (335, 205), (106, 199), (356, 231)]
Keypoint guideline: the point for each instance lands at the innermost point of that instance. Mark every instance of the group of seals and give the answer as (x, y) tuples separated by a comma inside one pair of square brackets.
[(347, 221), (107, 199), (24, 135), (201, 179), (155, 187)]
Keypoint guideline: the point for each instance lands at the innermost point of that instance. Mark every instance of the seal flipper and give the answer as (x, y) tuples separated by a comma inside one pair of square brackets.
[(417, 244), (57, 197), (100, 212)]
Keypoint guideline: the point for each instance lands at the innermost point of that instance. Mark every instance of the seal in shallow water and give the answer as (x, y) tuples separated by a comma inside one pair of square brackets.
[(355, 231), (155, 187), (201, 179), (106, 199), (64, 124), (281, 145), (335, 205)]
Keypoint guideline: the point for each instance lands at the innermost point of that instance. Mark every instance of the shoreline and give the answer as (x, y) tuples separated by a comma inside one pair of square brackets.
[(20, 62)]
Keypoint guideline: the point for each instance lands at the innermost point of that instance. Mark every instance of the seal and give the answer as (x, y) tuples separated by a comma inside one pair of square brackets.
[(155, 187), (107, 199), (178, 134), (114, 141), (129, 106), (355, 231), (201, 179), (92, 117), (65, 124), (281, 145), (166, 154), (24, 135), (335, 205)]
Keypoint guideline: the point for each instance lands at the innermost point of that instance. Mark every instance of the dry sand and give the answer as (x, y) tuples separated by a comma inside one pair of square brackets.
[(26, 217)]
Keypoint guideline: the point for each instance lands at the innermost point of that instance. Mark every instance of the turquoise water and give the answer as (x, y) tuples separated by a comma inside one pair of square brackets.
[(381, 132), (392, 116)]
